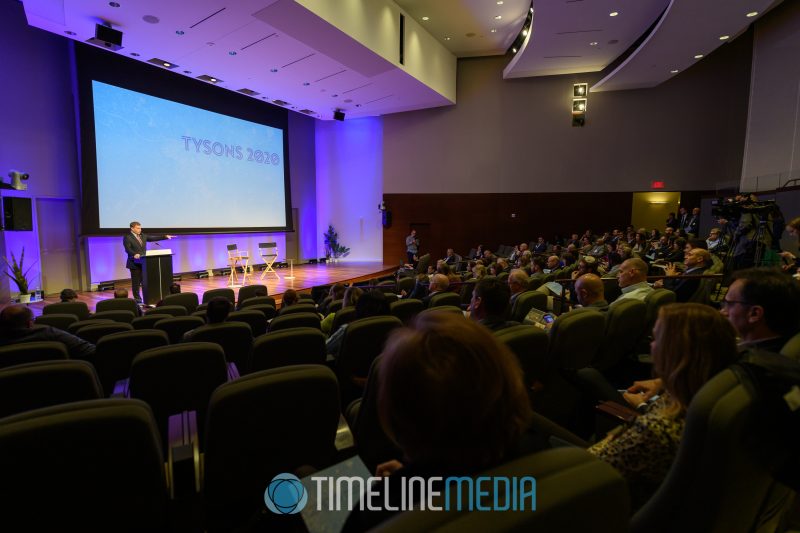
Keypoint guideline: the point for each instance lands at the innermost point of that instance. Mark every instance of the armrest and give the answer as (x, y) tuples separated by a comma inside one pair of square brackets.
[(183, 455), (121, 389), (233, 372)]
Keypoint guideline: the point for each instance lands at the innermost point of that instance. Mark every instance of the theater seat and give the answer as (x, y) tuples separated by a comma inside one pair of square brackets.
[(253, 318), (363, 341), (84, 466), (343, 316), (235, 338), (257, 300), (295, 320), (574, 492), (148, 321), (187, 300), (624, 330), (117, 304), (293, 346), (714, 485), (61, 321), (445, 298), (31, 352), (525, 302), (95, 332), (80, 324), (249, 291), (407, 309), (529, 344), (116, 315), (80, 309), (307, 307), (224, 293), (173, 310), (116, 352), (176, 327)]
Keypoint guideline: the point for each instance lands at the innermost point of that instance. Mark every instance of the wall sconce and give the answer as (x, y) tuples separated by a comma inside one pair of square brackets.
[(579, 102)]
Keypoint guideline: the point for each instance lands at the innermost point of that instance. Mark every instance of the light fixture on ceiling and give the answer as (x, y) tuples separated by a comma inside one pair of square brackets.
[(178, 32), (114, 4), (498, 17), (699, 56), (579, 104), (613, 14), (593, 43), (306, 84), (69, 32), (161, 62), (426, 18), (525, 32), (579, 90), (134, 54), (166, 64), (673, 71), (187, 71), (724, 37), (232, 53), (273, 70), (514, 50), (494, 30), (447, 38), (752, 14), (499, 2)]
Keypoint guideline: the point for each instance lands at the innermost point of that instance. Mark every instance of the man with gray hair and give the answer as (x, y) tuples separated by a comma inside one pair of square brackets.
[(517, 283), (632, 278), (439, 283)]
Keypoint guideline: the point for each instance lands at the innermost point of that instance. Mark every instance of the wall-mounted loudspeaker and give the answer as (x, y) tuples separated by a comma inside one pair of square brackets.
[(17, 214), (338, 115)]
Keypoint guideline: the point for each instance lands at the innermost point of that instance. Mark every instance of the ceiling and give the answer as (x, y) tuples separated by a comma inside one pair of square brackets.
[(284, 52)]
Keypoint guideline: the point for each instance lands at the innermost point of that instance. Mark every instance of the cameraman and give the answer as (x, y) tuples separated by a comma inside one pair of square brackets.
[(791, 261)]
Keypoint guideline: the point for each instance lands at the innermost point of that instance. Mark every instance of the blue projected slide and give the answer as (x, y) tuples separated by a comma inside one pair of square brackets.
[(171, 165)]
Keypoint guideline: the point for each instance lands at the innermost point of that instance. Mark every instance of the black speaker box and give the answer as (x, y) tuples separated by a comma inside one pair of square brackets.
[(109, 35), (17, 214)]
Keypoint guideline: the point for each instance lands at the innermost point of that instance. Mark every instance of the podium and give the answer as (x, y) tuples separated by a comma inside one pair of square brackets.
[(156, 275)]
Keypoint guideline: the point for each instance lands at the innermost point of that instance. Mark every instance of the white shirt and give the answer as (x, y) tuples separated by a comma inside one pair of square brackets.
[(637, 291)]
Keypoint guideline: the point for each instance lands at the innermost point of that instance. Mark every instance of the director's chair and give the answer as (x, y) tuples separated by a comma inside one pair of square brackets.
[(239, 258), (269, 253)]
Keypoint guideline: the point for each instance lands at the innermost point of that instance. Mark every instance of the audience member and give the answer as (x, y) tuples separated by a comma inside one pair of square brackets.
[(632, 280), (439, 283), (371, 303), (590, 292), (490, 304), (289, 298), (716, 242), (16, 326), (517, 284), (351, 296), (68, 295), (120, 293), (685, 284), (216, 313)]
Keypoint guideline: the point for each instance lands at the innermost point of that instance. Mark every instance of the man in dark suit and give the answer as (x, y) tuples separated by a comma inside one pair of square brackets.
[(693, 224), (135, 244), (697, 260)]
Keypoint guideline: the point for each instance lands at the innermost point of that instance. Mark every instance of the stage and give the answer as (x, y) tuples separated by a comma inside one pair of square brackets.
[(305, 277)]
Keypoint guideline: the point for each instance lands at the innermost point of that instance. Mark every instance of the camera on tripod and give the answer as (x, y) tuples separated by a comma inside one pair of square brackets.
[(733, 208)]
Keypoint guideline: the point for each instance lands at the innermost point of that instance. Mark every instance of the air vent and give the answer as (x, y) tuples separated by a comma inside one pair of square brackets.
[(307, 112), (280, 102), (162, 63), (249, 92), (209, 79)]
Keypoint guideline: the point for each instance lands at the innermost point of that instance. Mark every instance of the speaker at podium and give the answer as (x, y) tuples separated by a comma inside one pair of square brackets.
[(156, 275)]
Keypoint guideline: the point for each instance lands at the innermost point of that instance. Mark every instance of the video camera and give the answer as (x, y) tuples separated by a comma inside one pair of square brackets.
[(733, 208), (17, 178)]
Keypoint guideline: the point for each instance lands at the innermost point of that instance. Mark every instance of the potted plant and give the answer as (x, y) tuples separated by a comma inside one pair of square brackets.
[(19, 276), (332, 246)]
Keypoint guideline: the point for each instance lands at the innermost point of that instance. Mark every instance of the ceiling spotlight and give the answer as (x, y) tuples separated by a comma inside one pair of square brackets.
[(166, 64), (724, 37), (514, 50), (498, 17), (499, 2), (426, 18), (593, 43), (494, 30), (447, 38), (113, 4), (674, 71), (306, 84), (187, 71), (613, 14), (752, 14), (525, 32), (213, 80), (134, 54), (699, 56), (179, 32), (70, 32), (232, 53)]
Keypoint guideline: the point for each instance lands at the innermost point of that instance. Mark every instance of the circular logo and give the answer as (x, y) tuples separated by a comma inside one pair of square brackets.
[(285, 495)]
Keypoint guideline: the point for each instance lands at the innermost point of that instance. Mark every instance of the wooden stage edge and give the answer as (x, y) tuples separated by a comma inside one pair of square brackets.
[(306, 277)]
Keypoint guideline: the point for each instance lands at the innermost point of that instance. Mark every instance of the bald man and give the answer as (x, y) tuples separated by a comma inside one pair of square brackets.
[(632, 278), (685, 284), (16, 326), (591, 292)]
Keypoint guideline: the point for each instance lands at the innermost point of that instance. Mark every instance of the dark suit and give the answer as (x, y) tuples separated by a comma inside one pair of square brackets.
[(693, 225), (133, 247), (685, 285)]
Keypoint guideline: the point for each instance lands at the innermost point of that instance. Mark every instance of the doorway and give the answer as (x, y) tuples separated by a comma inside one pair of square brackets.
[(651, 209), (55, 220)]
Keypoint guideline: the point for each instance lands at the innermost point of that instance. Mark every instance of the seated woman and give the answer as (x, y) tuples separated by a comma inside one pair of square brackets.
[(452, 398), (351, 296), (691, 344)]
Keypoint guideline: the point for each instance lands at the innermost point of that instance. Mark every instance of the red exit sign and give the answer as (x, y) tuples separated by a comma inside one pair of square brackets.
[(656, 184)]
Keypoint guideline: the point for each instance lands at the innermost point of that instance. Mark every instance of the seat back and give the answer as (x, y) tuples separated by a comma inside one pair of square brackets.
[(80, 324), (172, 310), (36, 385), (102, 458), (792, 348), (61, 321), (267, 310), (177, 378), (443, 309), (574, 492), (249, 291), (235, 338), (575, 338), (654, 301), (116, 352), (704, 291), (259, 426), (123, 316), (466, 291), (257, 300), (295, 320), (405, 284), (298, 308), (79, 309), (148, 321), (530, 345), (224, 293), (117, 304), (363, 341), (253, 318), (525, 302), (343, 316), (714, 484), (335, 305), (611, 289), (295, 346), (445, 298), (407, 309), (177, 326), (93, 333), (625, 327), (422, 264), (319, 292), (185, 299), (30, 352)]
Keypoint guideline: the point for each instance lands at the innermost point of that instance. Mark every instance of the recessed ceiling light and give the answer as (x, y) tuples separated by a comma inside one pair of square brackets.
[(724, 37), (179, 32), (213, 80), (499, 2), (498, 17), (306, 84), (674, 71), (166, 64), (426, 18), (113, 4), (613, 14), (232, 53), (69, 32), (524, 33), (273, 70), (447, 38), (134, 54), (752, 14), (187, 71), (593, 43), (514, 50), (494, 30), (699, 56)]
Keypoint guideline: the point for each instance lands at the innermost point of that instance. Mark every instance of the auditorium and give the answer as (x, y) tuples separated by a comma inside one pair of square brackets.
[(400, 265)]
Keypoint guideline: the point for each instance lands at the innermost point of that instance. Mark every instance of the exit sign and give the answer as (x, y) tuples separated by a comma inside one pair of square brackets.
[(656, 184)]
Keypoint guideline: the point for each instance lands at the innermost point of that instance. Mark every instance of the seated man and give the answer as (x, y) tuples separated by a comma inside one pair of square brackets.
[(450, 259), (591, 292), (68, 295), (16, 326), (697, 260), (216, 313), (716, 242), (439, 283), (540, 247), (632, 280), (537, 267), (489, 304), (553, 263), (517, 284), (120, 293)]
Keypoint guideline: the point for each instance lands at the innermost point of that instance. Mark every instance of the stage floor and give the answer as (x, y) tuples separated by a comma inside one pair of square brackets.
[(305, 277)]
